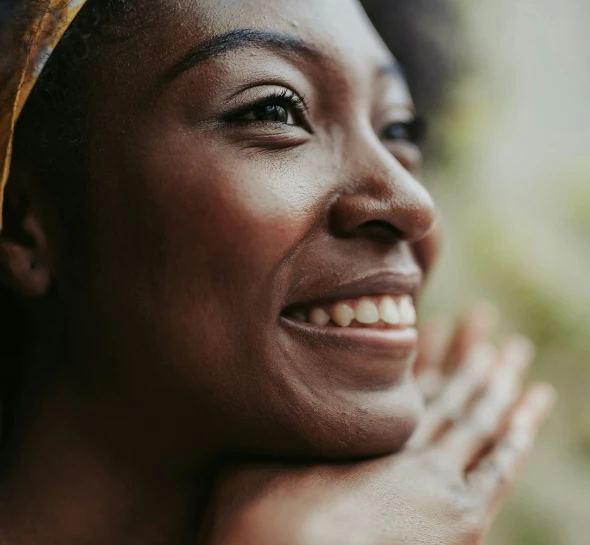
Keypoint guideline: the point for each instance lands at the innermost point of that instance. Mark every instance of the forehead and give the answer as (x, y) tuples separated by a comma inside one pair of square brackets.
[(338, 28), (128, 74)]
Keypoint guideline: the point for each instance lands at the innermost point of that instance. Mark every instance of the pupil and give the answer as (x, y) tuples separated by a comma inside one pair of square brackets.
[(274, 112), (397, 131)]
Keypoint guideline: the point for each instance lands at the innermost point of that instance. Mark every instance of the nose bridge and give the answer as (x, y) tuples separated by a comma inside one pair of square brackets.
[(380, 189)]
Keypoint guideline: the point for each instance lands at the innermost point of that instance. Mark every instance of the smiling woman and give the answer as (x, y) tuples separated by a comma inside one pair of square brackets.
[(254, 111), (215, 234)]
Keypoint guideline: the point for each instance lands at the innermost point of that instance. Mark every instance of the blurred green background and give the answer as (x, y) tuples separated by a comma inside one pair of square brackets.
[(514, 189)]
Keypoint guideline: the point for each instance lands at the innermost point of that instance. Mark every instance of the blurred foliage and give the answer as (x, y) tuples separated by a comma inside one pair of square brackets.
[(514, 191)]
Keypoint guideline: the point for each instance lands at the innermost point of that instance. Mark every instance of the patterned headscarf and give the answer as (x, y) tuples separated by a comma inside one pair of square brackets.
[(41, 37)]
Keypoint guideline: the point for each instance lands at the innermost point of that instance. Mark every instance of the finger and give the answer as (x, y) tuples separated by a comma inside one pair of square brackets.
[(494, 476), (435, 338), (465, 440), (446, 355), (450, 406), (475, 328)]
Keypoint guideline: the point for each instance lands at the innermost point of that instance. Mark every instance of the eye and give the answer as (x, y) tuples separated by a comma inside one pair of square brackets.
[(270, 112), (412, 131), (282, 107), (396, 131)]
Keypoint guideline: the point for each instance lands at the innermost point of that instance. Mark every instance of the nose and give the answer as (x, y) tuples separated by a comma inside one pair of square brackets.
[(382, 200)]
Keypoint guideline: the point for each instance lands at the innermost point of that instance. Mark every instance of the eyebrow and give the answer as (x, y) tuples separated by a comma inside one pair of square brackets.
[(239, 39)]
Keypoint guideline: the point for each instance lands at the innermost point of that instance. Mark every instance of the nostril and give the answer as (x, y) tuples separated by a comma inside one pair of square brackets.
[(381, 229), (390, 218), (379, 224)]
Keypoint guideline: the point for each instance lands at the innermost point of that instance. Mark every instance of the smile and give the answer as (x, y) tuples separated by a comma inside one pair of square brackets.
[(373, 312)]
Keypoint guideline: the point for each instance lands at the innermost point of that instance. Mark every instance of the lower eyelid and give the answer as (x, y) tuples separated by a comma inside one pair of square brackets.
[(407, 153), (269, 145), (267, 133)]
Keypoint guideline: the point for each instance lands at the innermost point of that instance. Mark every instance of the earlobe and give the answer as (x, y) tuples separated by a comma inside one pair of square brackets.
[(25, 256), (21, 271)]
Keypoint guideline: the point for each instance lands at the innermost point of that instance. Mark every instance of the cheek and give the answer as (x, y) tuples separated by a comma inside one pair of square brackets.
[(208, 202), (193, 243), (197, 237), (234, 215)]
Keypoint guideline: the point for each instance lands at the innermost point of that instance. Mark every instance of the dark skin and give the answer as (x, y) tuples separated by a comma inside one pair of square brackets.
[(206, 219), (444, 487)]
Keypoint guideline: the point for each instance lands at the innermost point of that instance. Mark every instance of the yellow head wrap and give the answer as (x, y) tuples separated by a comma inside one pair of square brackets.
[(41, 37)]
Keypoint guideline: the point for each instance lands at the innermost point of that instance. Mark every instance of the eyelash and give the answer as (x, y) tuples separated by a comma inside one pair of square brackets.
[(415, 129), (284, 97)]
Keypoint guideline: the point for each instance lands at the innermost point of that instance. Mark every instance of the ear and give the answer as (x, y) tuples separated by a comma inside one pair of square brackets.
[(26, 254)]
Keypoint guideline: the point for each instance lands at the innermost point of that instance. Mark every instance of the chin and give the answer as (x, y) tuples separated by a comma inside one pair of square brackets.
[(362, 425), (385, 425)]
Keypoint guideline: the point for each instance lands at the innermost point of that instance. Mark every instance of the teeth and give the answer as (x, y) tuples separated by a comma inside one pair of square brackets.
[(389, 312), (342, 314), (407, 311), (367, 312), (319, 316), (379, 312)]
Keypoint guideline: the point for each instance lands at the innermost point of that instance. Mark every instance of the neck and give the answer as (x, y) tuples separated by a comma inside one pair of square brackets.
[(77, 473)]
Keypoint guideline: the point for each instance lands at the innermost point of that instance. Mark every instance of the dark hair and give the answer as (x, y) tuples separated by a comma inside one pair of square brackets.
[(51, 131), (49, 137)]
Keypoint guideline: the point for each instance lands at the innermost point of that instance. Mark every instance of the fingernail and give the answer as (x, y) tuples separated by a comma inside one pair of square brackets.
[(518, 351), (544, 396)]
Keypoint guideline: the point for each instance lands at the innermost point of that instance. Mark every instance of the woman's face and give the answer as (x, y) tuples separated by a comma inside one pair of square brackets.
[(251, 161)]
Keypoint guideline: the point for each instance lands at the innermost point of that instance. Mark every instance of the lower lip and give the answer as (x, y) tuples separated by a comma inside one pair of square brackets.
[(393, 342)]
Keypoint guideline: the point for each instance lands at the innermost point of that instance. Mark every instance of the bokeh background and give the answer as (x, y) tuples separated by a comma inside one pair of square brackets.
[(508, 85)]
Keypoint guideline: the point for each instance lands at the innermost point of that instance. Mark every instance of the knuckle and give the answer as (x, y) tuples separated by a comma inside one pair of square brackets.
[(500, 470), (512, 446), (492, 468), (467, 513), (460, 489), (503, 479)]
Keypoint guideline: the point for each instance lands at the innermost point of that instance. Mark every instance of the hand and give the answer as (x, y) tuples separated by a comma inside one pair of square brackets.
[(443, 489), (442, 349)]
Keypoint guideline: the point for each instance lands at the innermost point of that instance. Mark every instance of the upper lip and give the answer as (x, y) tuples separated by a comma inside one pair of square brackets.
[(382, 283)]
